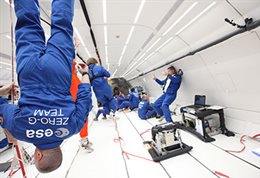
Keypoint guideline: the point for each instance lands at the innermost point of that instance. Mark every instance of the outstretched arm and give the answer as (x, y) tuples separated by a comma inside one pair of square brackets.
[(160, 82), (84, 98)]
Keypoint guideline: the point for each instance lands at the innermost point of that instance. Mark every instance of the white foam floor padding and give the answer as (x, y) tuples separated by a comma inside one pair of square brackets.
[(216, 159), (107, 159)]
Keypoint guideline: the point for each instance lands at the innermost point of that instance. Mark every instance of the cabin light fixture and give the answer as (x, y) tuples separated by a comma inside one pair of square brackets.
[(130, 34), (105, 11), (105, 34), (114, 73), (167, 41), (81, 41), (106, 54), (86, 49), (154, 44), (120, 59), (139, 11), (145, 59), (135, 63), (79, 36), (195, 18), (180, 18)]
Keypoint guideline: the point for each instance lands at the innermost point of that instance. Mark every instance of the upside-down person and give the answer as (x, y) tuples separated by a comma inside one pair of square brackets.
[(170, 87), (102, 90), (145, 110), (75, 82), (46, 113), (132, 102)]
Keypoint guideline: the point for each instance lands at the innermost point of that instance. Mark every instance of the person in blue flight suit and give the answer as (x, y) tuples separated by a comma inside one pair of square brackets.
[(98, 78), (46, 113), (3, 138), (132, 102), (145, 110), (170, 87), (120, 99)]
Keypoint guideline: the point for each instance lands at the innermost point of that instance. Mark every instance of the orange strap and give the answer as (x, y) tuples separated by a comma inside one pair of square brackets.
[(74, 90)]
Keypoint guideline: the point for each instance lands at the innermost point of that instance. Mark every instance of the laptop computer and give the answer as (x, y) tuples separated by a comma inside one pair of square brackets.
[(199, 102)]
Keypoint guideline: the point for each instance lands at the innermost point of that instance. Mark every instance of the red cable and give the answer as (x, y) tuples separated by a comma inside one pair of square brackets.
[(119, 139), (221, 174), (144, 132), (242, 140), (20, 160)]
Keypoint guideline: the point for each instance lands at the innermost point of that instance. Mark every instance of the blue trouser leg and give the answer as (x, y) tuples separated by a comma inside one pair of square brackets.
[(158, 104), (112, 105), (165, 106), (125, 104), (29, 34), (101, 111), (150, 114), (39, 64)]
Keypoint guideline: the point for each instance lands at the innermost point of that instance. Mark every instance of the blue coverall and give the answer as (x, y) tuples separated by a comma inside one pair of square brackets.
[(145, 110), (132, 103), (102, 89), (3, 142), (46, 113), (161, 105), (119, 100)]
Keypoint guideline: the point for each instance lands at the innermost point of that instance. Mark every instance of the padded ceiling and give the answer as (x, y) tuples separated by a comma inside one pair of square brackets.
[(155, 19)]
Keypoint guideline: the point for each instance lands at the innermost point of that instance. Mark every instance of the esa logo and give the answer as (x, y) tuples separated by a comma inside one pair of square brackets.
[(60, 133)]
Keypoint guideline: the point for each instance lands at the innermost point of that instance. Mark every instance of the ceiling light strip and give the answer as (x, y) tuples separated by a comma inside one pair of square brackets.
[(180, 18), (105, 11), (195, 18)]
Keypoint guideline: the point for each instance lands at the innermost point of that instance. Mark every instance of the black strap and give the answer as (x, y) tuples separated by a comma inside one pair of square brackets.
[(93, 75), (165, 82)]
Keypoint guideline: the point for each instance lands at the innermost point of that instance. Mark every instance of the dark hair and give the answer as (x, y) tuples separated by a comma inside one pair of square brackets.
[(91, 60), (132, 89), (173, 69)]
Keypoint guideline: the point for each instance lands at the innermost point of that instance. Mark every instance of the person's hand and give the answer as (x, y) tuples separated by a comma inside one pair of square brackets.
[(165, 72), (5, 90), (82, 68), (10, 137), (154, 77)]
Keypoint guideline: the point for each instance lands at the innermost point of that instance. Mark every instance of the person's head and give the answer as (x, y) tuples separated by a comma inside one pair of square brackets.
[(145, 96), (47, 160), (132, 89), (171, 70), (91, 60)]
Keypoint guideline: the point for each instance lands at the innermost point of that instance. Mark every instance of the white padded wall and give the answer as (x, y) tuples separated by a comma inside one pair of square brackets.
[(228, 74)]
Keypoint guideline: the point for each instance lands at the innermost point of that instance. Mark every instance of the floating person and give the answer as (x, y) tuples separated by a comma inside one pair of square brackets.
[(145, 110), (46, 113), (98, 78), (75, 82), (132, 102), (170, 87)]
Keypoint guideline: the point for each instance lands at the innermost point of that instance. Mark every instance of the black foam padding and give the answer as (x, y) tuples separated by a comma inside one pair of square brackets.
[(174, 152)]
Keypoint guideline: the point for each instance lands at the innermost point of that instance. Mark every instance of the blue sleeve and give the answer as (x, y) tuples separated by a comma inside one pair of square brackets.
[(160, 82), (104, 72), (131, 97), (7, 112), (175, 79), (3, 100), (150, 108), (83, 104)]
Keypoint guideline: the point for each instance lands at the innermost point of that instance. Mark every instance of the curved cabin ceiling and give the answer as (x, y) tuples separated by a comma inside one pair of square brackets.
[(134, 36)]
